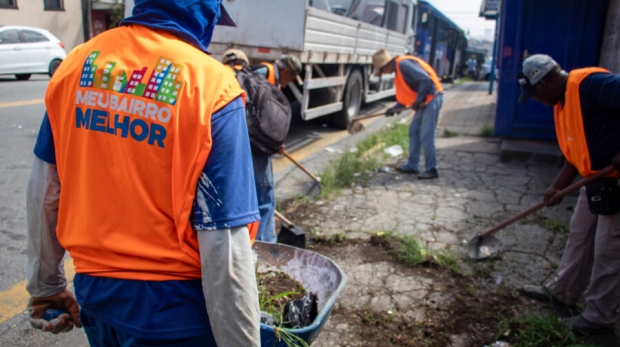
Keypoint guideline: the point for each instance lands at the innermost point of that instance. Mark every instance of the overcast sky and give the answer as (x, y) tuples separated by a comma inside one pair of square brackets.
[(465, 14)]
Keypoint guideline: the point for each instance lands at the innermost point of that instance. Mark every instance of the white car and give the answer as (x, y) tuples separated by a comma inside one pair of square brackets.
[(25, 51), (485, 72)]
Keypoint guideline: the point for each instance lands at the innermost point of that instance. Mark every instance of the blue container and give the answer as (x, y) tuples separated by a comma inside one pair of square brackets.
[(569, 31), (317, 273)]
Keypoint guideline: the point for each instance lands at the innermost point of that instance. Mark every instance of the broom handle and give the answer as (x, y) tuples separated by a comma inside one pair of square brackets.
[(279, 215), (378, 114), (285, 153), (559, 194)]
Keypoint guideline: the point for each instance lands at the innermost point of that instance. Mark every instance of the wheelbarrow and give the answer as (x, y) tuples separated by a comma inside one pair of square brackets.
[(317, 273)]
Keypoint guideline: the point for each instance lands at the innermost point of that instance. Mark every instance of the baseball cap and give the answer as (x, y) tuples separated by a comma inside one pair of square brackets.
[(235, 54), (534, 69)]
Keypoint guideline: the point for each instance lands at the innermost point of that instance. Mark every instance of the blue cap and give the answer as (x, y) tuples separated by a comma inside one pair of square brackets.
[(225, 18)]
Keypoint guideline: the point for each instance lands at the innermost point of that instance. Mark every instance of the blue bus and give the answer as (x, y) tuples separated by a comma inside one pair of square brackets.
[(439, 41)]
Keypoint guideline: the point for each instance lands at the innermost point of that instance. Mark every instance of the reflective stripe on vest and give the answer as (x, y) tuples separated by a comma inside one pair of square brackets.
[(271, 76), (132, 133), (404, 94), (569, 123)]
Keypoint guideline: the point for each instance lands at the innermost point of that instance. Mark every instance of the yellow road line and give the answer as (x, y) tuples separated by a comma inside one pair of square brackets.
[(22, 103), (13, 301)]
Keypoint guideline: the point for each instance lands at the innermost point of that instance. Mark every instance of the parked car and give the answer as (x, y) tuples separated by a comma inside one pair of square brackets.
[(485, 72), (25, 51)]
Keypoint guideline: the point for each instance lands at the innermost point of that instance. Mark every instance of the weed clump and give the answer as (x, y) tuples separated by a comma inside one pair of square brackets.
[(409, 251), (531, 330), (356, 167), (449, 133), (486, 131)]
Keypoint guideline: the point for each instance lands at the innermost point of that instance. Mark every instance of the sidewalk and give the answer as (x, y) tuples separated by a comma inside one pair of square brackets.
[(474, 192)]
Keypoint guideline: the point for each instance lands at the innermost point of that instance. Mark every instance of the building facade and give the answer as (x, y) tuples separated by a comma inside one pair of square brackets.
[(63, 18)]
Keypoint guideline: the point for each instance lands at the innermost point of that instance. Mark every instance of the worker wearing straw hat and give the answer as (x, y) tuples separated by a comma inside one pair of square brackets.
[(418, 87)]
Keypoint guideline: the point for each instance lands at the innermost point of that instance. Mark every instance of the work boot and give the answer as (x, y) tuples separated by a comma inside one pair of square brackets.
[(542, 294), (432, 173), (408, 169), (581, 325)]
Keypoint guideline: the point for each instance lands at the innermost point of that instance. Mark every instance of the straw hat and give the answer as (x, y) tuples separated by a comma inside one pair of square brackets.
[(381, 58), (235, 54), (292, 62)]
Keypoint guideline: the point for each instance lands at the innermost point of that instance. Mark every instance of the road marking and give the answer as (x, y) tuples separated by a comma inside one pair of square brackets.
[(22, 103), (13, 301)]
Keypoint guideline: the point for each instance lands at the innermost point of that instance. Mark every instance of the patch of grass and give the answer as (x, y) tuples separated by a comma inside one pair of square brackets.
[(486, 131), (531, 330), (331, 240), (409, 251), (462, 80), (555, 226), (449, 133), (355, 167)]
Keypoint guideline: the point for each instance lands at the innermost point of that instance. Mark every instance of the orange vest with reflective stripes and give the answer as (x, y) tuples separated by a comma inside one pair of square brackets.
[(404, 94), (132, 133), (271, 76), (569, 123)]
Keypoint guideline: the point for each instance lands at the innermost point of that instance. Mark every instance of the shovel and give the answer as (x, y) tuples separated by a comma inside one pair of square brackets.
[(314, 189), (484, 245), (356, 126), (290, 234)]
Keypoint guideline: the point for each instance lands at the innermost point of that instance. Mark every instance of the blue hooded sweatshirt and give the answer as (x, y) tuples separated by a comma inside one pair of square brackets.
[(192, 20)]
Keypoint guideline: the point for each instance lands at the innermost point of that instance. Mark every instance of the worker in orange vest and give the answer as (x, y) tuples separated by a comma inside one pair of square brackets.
[(587, 125), (418, 87), (142, 173), (284, 71)]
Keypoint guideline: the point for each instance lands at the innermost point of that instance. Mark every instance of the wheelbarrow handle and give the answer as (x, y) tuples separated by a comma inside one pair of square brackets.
[(279, 215), (286, 154), (609, 169), (378, 114)]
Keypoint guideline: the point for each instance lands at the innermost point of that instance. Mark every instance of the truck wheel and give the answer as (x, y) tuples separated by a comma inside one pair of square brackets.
[(23, 77), (352, 100)]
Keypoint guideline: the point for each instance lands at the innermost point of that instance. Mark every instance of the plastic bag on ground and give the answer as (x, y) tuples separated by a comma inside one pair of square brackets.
[(394, 151)]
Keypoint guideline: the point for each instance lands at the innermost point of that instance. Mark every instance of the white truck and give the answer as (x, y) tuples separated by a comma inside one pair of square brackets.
[(336, 51)]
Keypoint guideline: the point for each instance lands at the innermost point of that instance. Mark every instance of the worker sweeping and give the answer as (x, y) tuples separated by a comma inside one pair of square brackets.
[(418, 87), (587, 125), (141, 174)]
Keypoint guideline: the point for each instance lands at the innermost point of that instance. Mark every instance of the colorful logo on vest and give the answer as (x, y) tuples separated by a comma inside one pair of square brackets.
[(162, 85)]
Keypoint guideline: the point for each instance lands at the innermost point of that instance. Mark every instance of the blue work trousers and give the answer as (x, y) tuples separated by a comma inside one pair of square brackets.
[(263, 178), (100, 334), (422, 135)]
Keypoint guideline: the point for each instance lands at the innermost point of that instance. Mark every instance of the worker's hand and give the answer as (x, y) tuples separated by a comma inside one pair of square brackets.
[(63, 323), (551, 191), (415, 106), (422, 105), (390, 112), (281, 150), (615, 161)]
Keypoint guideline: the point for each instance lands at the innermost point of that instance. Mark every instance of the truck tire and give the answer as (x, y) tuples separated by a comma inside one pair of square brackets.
[(352, 100)]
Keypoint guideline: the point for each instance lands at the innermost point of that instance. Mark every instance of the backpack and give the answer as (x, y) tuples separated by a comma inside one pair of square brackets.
[(267, 111)]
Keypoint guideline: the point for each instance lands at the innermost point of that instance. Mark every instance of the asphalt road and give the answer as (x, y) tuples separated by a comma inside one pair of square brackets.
[(21, 112)]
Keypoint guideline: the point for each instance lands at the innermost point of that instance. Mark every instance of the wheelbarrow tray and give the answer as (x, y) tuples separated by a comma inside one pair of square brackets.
[(317, 273)]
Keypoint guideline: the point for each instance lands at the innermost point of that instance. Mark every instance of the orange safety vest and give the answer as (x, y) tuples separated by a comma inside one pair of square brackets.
[(569, 123), (271, 76), (132, 133), (404, 94)]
